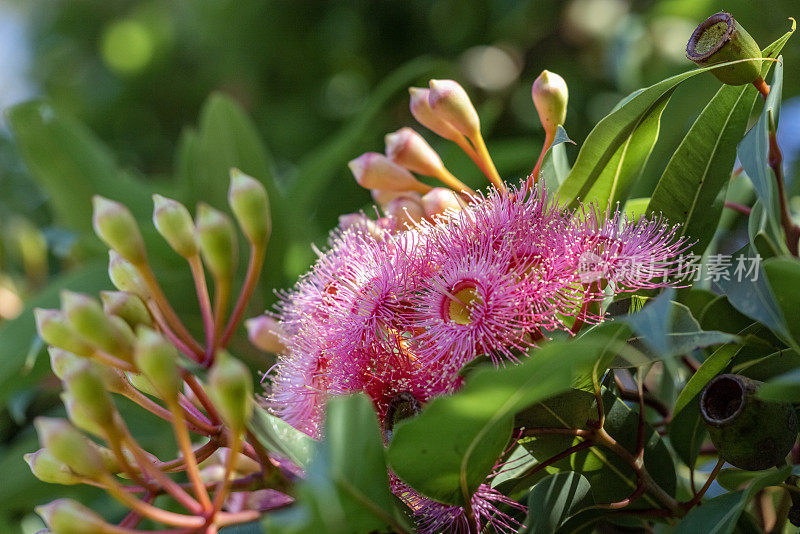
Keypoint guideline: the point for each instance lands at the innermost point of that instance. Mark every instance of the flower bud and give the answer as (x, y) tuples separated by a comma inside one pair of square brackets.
[(409, 149), (127, 307), (439, 200), (230, 386), (54, 330), (550, 96), (748, 432), (158, 360), (376, 171), (79, 417), (405, 212), (87, 318), (382, 197), (250, 204), (266, 334), (421, 110), (70, 447), (450, 101), (125, 276), (66, 516), (63, 362), (358, 222), (174, 223), (720, 39), (88, 391), (217, 239), (115, 225), (140, 382), (46, 468)]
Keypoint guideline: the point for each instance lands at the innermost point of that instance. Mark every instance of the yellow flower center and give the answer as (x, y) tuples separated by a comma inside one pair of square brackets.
[(459, 308)]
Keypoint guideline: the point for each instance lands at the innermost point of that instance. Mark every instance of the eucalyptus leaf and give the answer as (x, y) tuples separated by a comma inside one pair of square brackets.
[(552, 500), (278, 436)]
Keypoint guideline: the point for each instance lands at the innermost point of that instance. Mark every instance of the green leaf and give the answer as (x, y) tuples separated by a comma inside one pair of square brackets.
[(754, 297), (669, 329), (754, 155), (278, 436), (687, 192), (346, 490), (783, 275), (552, 500), (555, 166), (570, 409), (782, 388), (449, 449), (71, 165), (17, 335), (702, 164), (628, 162), (720, 514)]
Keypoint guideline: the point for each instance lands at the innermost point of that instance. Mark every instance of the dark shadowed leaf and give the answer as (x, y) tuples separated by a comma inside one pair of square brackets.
[(552, 500)]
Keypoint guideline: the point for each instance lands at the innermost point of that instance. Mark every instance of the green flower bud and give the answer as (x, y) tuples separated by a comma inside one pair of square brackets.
[(250, 204), (47, 468), (748, 432), (158, 360), (217, 239), (87, 318), (66, 516), (55, 330), (127, 307), (63, 362), (174, 223), (115, 225), (70, 447), (450, 101), (142, 383), (230, 386), (720, 39), (550, 97), (125, 276), (87, 388), (80, 417)]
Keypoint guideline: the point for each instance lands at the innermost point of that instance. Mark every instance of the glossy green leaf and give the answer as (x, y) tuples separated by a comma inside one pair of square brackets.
[(754, 155), (720, 514), (552, 500), (449, 449), (555, 165), (629, 161), (279, 437), (783, 275), (571, 409)]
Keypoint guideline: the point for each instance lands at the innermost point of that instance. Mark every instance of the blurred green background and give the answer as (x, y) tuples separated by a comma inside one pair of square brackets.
[(319, 83)]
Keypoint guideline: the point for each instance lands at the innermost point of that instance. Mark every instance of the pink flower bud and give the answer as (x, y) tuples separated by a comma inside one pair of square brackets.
[(266, 334), (550, 96), (376, 171), (409, 149), (421, 109), (382, 197), (439, 200), (450, 102), (405, 212)]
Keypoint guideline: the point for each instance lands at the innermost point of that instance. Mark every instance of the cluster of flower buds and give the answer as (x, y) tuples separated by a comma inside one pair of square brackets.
[(445, 109), (131, 343)]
